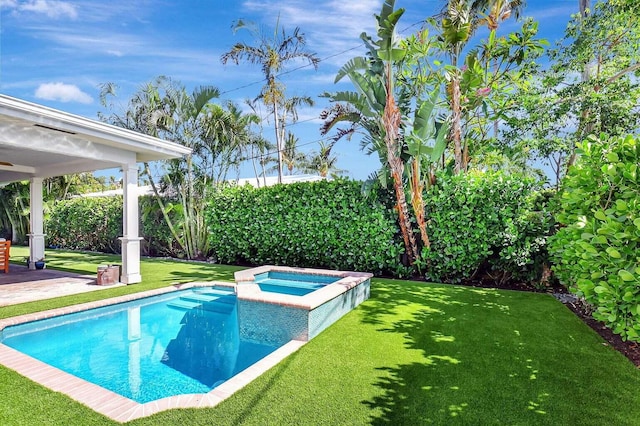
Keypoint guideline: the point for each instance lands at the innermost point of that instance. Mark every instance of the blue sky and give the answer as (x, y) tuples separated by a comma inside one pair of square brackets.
[(57, 53)]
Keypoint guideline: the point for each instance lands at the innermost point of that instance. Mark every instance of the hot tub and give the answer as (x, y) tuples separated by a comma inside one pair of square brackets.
[(298, 302)]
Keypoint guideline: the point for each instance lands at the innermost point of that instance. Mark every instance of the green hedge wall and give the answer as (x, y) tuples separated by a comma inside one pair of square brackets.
[(326, 224), (479, 223), (487, 222), (85, 224), (95, 224)]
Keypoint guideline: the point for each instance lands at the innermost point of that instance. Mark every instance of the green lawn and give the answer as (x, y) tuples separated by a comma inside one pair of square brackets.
[(413, 354)]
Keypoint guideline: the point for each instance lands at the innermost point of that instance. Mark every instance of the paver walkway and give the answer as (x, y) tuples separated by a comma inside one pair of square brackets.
[(22, 285)]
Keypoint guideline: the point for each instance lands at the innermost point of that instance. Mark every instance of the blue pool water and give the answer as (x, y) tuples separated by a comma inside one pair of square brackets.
[(297, 284), (178, 343)]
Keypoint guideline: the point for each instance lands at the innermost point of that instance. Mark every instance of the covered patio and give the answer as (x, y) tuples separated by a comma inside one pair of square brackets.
[(38, 142)]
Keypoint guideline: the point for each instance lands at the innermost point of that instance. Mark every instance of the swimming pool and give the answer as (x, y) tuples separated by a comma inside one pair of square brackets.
[(184, 342), (240, 323)]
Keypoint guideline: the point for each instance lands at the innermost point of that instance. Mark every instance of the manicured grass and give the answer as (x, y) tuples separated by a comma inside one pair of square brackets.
[(414, 353)]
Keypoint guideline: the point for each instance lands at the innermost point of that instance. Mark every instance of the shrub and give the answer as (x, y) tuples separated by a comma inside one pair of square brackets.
[(597, 252), (96, 223), (319, 224), (485, 221), (86, 224)]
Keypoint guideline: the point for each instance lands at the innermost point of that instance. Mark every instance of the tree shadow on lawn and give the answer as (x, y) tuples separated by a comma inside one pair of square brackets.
[(475, 366)]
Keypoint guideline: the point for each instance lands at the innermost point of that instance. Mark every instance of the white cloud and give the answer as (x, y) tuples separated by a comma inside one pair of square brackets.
[(52, 8), (331, 28), (62, 92), (8, 4)]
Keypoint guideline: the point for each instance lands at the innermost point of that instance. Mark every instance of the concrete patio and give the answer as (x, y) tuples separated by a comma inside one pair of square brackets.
[(22, 285)]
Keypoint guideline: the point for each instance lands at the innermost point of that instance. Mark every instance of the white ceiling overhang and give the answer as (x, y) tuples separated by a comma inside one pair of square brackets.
[(36, 141)]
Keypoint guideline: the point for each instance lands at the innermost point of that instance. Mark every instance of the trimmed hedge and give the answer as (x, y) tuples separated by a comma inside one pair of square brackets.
[(326, 224), (479, 223), (597, 252), (86, 224), (95, 224), (485, 222)]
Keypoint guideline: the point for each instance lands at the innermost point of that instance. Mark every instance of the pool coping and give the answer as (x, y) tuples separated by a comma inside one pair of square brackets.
[(247, 289), (109, 403)]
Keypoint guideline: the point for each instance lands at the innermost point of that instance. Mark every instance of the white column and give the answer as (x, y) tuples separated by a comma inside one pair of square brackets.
[(36, 220), (130, 239)]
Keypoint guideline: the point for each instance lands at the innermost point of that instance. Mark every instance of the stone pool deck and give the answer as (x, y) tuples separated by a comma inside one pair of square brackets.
[(23, 285)]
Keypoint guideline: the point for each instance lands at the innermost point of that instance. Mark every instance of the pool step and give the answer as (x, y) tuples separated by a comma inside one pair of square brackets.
[(183, 305), (219, 291), (221, 303), (202, 298)]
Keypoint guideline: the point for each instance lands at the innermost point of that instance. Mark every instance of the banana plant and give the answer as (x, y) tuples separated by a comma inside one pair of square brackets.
[(380, 106), (425, 144)]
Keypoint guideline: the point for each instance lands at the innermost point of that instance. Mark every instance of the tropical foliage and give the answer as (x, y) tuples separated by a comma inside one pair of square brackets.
[(272, 54), (591, 87), (486, 224), (216, 134), (389, 87), (14, 200), (597, 251)]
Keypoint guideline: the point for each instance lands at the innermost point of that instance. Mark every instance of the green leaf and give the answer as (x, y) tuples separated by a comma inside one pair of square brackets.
[(601, 289), (599, 214), (621, 206), (613, 252), (626, 275)]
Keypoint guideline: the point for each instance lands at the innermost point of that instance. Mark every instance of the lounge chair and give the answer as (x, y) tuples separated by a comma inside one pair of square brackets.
[(4, 255)]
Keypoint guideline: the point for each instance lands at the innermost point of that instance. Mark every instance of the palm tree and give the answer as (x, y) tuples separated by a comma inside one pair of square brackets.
[(456, 31), (272, 54), (323, 162), (291, 157), (163, 108), (493, 12)]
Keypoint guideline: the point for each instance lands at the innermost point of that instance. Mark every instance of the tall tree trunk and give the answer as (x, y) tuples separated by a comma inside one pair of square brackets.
[(417, 201), (391, 120), (278, 141), (456, 132), (255, 168), (163, 208)]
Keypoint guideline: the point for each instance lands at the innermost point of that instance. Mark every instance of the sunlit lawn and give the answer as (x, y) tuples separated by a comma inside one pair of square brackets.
[(414, 353)]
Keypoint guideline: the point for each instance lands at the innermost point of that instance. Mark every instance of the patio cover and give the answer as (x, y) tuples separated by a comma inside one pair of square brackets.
[(37, 142)]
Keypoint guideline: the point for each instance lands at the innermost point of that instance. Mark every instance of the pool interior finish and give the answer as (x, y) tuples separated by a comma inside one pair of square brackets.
[(292, 283), (184, 342)]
